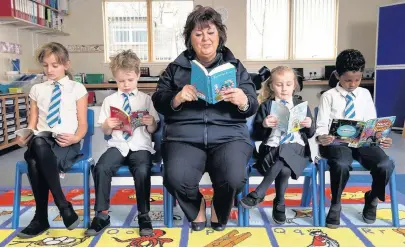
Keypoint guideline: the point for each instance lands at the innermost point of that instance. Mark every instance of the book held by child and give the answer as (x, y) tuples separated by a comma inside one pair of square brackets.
[(361, 133), (128, 122), (212, 85), (289, 119)]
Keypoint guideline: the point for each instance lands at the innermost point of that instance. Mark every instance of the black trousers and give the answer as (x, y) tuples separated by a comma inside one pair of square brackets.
[(372, 158), (43, 174), (139, 163), (186, 163)]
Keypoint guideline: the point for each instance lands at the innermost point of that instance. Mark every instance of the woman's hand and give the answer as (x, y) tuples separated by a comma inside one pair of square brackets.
[(66, 139), (306, 122), (23, 141), (235, 96), (325, 139), (187, 94), (270, 121), (386, 142)]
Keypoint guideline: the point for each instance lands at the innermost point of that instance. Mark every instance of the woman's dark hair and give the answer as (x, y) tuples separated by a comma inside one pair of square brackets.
[(201, 17), (349, 60)]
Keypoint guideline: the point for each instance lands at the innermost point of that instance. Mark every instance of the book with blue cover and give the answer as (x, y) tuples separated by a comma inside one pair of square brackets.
[(212, 85)]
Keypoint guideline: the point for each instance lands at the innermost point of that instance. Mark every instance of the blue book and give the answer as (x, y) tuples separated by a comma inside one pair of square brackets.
[(211, 86)]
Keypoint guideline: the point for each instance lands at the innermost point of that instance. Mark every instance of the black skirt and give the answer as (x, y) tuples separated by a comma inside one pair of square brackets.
[(65, 156), (292, 154)]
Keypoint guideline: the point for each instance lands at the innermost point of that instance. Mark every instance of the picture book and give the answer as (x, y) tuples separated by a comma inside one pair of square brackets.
[(25, 132), (128, 122), (289, 120), (361, 133), (212, 85)]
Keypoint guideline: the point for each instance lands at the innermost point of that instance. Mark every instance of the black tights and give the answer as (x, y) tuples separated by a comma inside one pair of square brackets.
[(43, 174), (279, 172)]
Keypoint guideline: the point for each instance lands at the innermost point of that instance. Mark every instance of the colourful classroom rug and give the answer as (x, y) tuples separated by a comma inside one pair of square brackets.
[(263, 232)]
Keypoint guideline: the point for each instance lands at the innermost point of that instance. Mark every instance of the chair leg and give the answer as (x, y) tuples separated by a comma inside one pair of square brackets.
[(17, 198), (240, 209), (86, 201), (394, 203), (306, 195), (169, 210), (165, 212), (322, 167), (315, 203), (245, 210)]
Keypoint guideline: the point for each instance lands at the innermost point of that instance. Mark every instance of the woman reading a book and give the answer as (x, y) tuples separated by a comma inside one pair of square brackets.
[(202, 137)]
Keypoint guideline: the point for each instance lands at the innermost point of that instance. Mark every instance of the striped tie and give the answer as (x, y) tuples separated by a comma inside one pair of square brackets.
[(54, 107), (127, 108), (289, 136), (349, 109)]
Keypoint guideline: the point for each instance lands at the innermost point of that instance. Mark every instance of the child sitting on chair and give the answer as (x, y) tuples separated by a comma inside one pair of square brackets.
[(133, 150), (349, 101), (281, 155)]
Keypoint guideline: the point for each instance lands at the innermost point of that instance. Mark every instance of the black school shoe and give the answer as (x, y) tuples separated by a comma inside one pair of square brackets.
[(251, 200), (97, 226), (333, 218), (35, 228), (370, 209), (70, 218), (145, 225), (278, 213)]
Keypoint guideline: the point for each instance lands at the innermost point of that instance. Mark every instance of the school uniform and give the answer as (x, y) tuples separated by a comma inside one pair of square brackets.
[(337, 103), (71, 91), (290, 151), (135, 151), (56, 102)]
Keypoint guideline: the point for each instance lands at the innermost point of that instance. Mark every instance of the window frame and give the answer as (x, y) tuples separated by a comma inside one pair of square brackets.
[(291, 55), (149, 30)]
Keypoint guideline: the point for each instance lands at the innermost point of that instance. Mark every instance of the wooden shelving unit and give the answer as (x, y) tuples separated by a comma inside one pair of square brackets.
[(325, 82), (10, 119), (144, 87), (32, 15)]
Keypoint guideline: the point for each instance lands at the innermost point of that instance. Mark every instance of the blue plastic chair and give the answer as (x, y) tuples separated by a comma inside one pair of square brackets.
[(80, 167), (157, 170), (309, 188), (323, 167)]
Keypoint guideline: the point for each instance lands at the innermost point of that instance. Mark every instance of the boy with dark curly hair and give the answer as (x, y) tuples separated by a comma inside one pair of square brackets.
[(349, 101)]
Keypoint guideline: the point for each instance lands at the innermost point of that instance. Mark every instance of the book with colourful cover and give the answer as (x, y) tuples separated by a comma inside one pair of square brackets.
[(212, 85), (361, 133), (128, 122), (289, 119)]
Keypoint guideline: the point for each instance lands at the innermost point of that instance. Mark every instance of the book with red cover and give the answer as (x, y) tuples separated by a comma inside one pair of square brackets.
[(128, 122)]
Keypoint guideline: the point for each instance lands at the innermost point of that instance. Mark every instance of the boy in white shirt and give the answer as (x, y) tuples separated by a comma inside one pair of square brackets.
[(349, 101), (133, 150)]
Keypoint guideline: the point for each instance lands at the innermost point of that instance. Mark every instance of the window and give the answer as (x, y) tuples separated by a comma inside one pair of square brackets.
[(291, 29), (131, 24)]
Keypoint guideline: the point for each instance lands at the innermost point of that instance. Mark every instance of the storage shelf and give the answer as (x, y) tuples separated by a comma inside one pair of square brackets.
[(24, 24), (53, 9)]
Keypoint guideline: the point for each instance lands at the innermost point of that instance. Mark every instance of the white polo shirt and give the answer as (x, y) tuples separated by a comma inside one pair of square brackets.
[(71, 92), (333, 104), (141, 139)]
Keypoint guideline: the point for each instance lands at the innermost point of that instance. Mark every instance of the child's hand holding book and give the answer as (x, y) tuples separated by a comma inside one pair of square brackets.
[(306, 122), (385, 142), (270, 121), (112, 122), (23, 141), (325, 139), (148, 120)]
